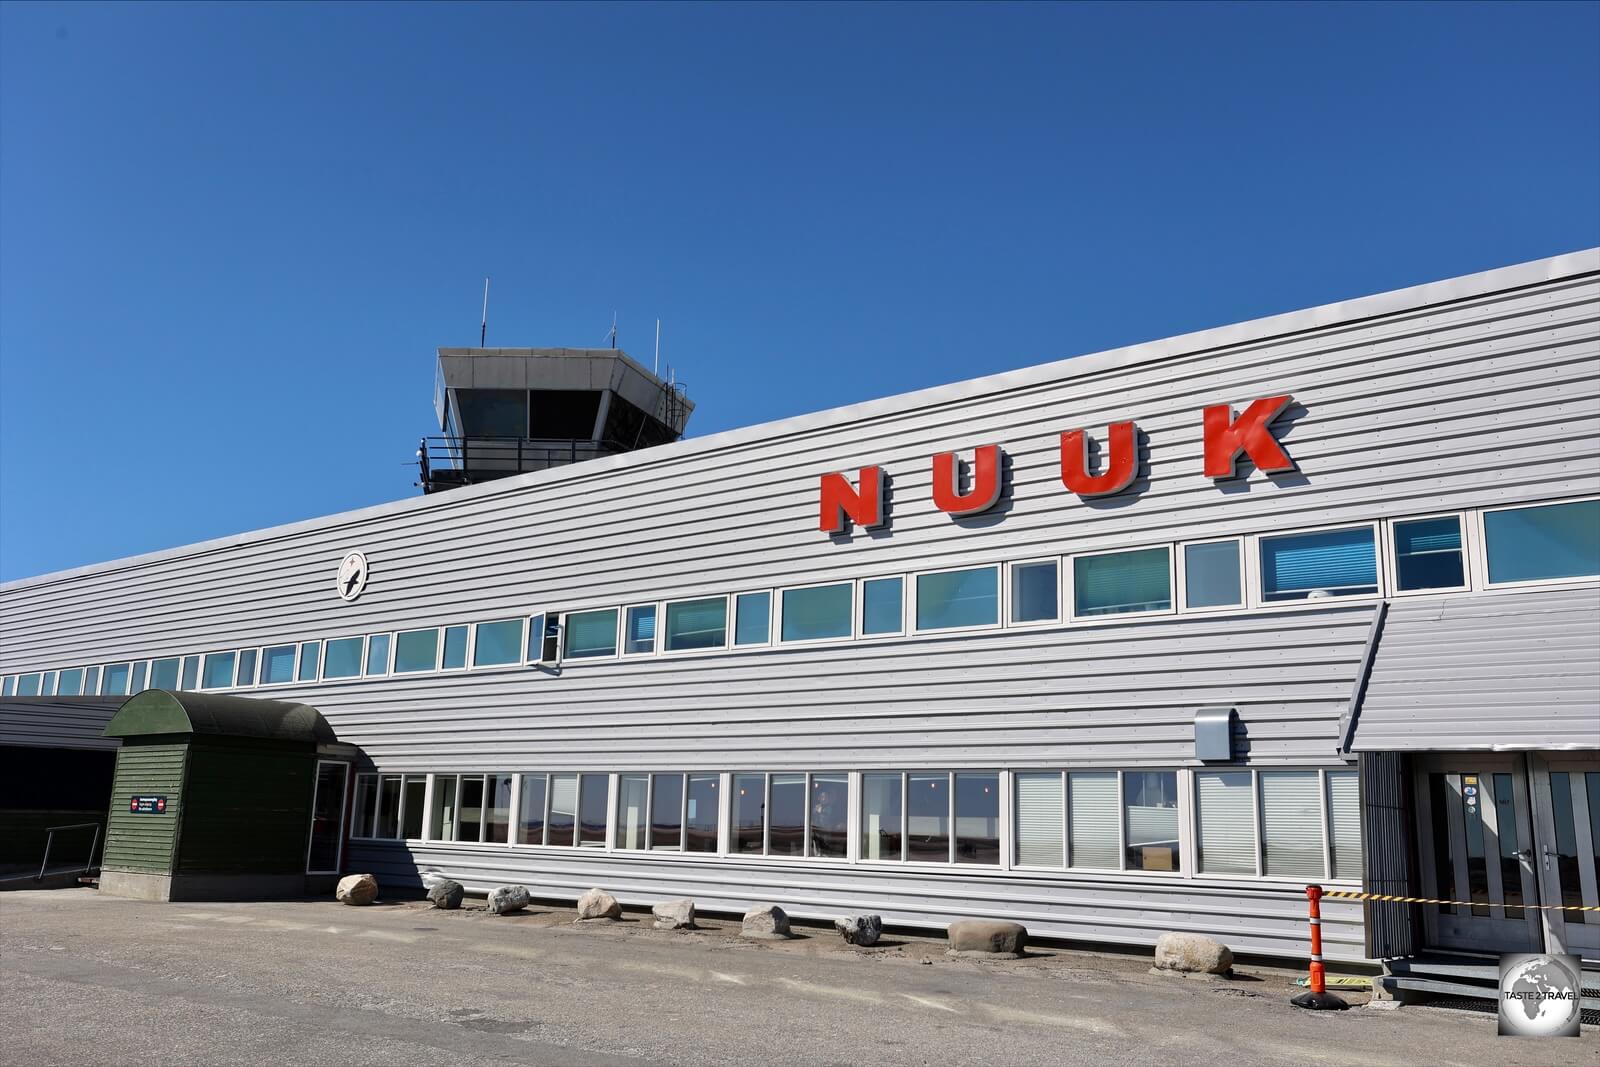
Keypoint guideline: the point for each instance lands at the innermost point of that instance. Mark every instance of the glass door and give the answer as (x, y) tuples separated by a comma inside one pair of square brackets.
[(323, 852), (1567, 812), (1476, 843)]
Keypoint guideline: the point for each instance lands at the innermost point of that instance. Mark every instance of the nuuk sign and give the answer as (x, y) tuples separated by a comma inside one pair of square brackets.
[(1227, 437)]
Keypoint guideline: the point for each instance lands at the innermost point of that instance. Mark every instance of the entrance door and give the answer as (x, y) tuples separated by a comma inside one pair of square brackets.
[(324, 851), (1566, 798), (1476, 837)]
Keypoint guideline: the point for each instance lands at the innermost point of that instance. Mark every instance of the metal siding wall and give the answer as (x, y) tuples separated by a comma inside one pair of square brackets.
[(56, 722)]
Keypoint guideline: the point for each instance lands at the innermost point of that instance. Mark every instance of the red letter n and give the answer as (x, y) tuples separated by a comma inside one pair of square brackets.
[(1118, 471), (840, 499), (1226, 437), (985, 489)]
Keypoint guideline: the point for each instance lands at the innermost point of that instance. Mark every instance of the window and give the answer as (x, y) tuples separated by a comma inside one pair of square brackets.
[(640, 637), (1227, 822), (247, 669), (666, 812), (218, 671), (1543, 543), (342, 658), (749, 813), (91, 681), (1317, 565), (786, 815), (816, 613), (365, 806), (1040, 820), (697, 624), (9, 686), (828, 816), (530, 815), (377, 655), (752, 618), (1291, 824), (790, 814), (952, 599), (1033, 592), (561, 824), (1344, 823), (469, 810), (882, 817), (416, 650), (1150, 804), (928, 817), (49, 686), (388, 820), (978, 818), (591, 633), (413, 806), (163, 674), (882, 606), (191, 672), (633, 800), (593, 790), (1120, 583), (277, 665), (310, 653), (71, 683), (498, 643), (1211, 575), (137, 684), (544, 638), (702, 813), (28, 685), (455, 649), (442, 820), (1427, 554), (115, 681), (1093, 828)]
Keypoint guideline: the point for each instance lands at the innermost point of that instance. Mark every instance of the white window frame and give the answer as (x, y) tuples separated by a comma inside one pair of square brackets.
[(860, 609), (1000, 602), (388, 656), (1008, 593), (322, 659), (564, 656), (472, 644), (1259, 577), (261, 665), (1182, 787), (622, 630), (1180, 577), (438, 652), (777, 616), (233, 674), (238, 680), (1014, 864), (466, 656), (1122, 823), (1482, 534), (1391, 551), (1102, 617), (299, 659), (733, 620), (105, 668), (727, 626), (344, 805)]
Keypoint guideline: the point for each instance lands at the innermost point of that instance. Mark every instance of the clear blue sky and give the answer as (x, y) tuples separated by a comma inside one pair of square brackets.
[(231, 237)]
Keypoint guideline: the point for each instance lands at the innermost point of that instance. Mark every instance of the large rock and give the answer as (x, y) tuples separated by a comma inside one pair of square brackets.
[(445, 894), (860, 929), (674, 914), (356, 889), (1192, 954), (505, 899), (765, 922), (987, 937), (598, 904)]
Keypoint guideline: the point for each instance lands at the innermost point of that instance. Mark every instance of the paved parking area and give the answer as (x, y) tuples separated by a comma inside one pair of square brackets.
[(91, 979)]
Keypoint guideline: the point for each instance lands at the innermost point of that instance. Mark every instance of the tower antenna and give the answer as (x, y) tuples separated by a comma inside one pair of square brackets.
[(613, 330), (483, 327), (658, 348)]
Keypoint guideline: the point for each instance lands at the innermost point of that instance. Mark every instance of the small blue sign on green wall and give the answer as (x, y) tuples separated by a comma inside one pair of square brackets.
[(151, 805)]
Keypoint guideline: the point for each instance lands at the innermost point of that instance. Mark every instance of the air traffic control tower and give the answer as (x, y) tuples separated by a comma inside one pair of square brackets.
[(505, 411)]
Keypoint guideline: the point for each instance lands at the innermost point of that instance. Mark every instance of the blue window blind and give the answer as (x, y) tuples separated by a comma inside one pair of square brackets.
[(641, 636), (1555, 541), (1333, 563), (881, 611), (693, 624), (1120, 582), (958, 598), (817, 613), (591, 633), (752, 624), (1427, 554)]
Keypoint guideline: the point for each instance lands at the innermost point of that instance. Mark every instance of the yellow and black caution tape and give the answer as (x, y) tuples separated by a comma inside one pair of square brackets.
[(1350, 894)]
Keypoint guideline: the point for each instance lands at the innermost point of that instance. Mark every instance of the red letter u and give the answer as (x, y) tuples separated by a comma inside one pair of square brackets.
[(838, 499), (1121, 465), (985, 490)]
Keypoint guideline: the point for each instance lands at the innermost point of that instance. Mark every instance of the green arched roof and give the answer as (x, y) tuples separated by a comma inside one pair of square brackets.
[(158, 711)]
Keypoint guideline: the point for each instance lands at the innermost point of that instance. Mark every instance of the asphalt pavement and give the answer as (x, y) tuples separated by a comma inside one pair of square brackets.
[(98, 980)]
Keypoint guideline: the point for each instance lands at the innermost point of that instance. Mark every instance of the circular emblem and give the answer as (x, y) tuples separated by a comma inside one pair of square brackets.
[(352, 576)]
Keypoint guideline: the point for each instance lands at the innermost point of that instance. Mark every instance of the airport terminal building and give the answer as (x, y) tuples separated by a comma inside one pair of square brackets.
[(1138, 641)]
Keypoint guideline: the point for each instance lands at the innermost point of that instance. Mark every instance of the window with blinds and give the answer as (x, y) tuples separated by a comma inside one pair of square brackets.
[(590, 634), (1344, 823), (952, 599), (1040, 820), (695, 624), (641, 635), (1323, 564), (1427, 554), (1291, 824), (1227, 822), (816, 613), (1094, 820), (1121, 582)]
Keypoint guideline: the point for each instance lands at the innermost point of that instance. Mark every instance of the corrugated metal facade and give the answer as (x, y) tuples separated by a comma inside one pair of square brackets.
[(1479, 391), (57, 722), (1506, 672)]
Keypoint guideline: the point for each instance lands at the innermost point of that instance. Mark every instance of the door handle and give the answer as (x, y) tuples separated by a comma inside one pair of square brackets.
[(1548, 852)]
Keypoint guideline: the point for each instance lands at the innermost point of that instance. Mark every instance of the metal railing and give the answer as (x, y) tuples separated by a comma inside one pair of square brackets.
[(49, 840), (449, 461)]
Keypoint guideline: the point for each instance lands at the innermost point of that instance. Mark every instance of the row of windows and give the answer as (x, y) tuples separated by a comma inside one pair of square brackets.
[(1544, 543), (1298, 824)]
